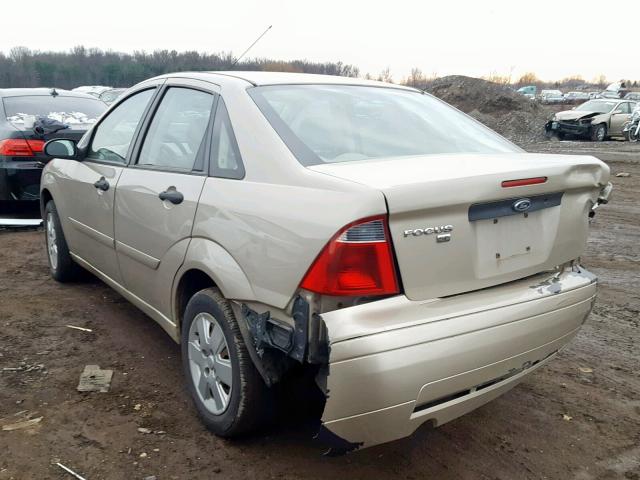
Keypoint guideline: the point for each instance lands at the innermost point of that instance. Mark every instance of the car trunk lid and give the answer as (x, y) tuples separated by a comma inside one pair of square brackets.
[(456, 228)]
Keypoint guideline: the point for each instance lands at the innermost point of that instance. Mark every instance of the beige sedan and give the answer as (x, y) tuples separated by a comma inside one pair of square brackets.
[(596, 119), (283, 226)]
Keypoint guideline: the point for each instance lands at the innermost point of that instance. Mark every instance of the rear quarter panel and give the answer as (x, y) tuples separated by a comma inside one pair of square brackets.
[(275, 231)]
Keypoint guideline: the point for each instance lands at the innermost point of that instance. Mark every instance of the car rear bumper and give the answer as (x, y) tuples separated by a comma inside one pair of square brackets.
[(396, 364)]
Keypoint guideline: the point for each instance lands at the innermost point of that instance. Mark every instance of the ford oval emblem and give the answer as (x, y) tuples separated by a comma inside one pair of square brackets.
[(521, 205)]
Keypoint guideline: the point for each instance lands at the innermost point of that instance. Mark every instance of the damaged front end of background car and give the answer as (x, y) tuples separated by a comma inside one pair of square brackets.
[(579, 124)]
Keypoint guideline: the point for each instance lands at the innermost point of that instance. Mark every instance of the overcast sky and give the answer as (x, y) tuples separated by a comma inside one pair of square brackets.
[(552, 39)]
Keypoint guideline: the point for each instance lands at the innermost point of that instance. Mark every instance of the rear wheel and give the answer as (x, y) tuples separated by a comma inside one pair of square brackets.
[(61, 265), (599, 132), (226, 388)]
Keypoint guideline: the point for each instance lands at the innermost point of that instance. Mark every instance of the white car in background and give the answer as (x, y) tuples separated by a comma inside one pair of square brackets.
[(94, 90)]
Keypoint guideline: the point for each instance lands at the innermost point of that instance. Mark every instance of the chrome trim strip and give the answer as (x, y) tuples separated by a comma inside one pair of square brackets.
[(93, 233), (137, 255)]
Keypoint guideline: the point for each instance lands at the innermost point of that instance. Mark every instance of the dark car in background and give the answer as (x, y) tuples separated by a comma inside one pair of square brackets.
[(28, 118), (573, 98)]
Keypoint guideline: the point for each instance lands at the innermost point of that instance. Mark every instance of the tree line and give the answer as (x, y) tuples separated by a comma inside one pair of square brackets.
[(420, 80), (23, 67)]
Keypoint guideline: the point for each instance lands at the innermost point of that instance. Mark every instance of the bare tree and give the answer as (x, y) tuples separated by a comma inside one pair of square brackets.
[(416, 79), (385, 76)]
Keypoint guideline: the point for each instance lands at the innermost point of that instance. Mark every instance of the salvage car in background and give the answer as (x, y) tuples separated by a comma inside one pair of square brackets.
[(528, 91), (610, 95), (111, 95), (415, 262), (551, 96), (94, 90), (576, 97), (28, 118), (595, 119)]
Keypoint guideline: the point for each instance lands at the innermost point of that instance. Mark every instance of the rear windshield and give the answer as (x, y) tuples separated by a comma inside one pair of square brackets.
[(68, 110), (341, 123), (599, 106)]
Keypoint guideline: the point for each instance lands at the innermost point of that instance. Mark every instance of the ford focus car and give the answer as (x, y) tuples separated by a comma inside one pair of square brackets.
[(415, 262)]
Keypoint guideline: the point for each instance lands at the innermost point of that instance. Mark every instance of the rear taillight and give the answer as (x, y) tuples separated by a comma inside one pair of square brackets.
[(19, 147), (357, 261)]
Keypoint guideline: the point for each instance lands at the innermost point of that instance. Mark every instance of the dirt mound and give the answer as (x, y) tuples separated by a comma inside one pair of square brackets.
[(500, 108)]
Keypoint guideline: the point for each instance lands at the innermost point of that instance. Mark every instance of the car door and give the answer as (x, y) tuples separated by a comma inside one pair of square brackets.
[(621, 115), (88, 186), (158, 194)]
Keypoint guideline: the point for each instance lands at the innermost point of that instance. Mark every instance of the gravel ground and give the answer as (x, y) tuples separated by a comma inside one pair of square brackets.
[(577, 418)]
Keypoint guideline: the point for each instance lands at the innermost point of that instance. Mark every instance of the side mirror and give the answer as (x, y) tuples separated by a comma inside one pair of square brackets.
[(61, 148)]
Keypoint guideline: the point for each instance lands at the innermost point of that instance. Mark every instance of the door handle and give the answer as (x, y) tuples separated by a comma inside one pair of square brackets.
[(172, 195), (102, 184)]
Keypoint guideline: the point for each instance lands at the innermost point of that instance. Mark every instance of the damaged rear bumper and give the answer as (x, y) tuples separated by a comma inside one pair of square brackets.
[(395, 364)]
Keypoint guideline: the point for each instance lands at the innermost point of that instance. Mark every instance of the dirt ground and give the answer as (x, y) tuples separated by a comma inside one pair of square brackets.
[(577, 418)]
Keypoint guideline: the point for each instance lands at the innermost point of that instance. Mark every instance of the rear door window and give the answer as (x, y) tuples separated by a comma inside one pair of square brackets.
[(113, 136), (176, 135)]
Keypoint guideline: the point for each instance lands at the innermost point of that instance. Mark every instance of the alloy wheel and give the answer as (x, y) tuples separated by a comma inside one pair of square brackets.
[(209, 363), (52, 245)]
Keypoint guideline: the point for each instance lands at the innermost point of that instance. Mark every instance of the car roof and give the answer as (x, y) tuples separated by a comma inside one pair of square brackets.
[(31, 92), (280, 78)]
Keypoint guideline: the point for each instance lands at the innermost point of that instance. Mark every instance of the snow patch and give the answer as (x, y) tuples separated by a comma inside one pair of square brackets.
[(68, 118)]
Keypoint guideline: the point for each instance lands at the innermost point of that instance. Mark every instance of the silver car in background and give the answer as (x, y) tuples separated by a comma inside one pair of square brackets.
[(551, 96), (414, 262)]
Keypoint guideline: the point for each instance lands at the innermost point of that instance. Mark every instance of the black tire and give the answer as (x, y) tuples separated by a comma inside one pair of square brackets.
[(599, 132), (61, 265), (250, 402)]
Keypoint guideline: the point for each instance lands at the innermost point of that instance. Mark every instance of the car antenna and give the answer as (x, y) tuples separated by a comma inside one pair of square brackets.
[(54, 92), (256, 41)]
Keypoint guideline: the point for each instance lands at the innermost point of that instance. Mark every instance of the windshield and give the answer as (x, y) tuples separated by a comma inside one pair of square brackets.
[(340, 123), (599, 106), (68, 110)]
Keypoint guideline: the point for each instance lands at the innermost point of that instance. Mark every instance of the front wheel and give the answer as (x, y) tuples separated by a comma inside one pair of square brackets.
[(61, 265), (634, 134), (227, 390), (599, 133)]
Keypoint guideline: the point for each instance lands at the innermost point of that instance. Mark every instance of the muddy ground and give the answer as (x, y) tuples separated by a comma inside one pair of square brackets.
[(577, 418)]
